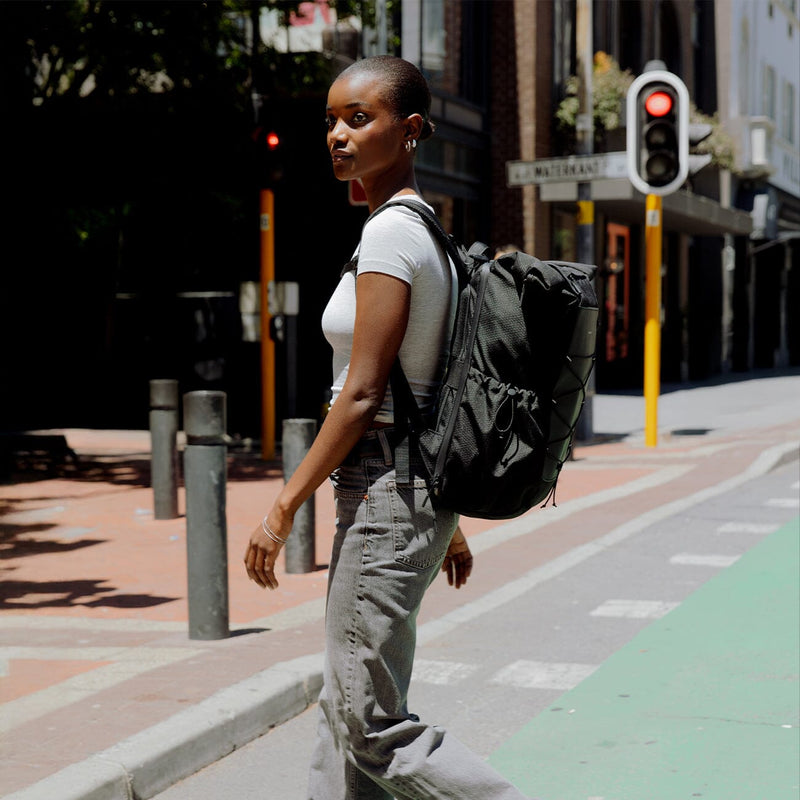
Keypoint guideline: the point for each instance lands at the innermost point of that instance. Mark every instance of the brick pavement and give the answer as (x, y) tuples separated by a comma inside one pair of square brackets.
[(93, 610)]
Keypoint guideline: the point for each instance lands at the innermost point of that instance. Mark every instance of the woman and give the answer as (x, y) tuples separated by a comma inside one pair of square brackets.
[(389, 542)]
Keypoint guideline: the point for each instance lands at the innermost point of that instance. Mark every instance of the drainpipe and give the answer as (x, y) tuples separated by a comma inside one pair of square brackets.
[(728, 269)]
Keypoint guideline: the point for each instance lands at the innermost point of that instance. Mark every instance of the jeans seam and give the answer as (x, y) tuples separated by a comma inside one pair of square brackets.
[(355, 631)]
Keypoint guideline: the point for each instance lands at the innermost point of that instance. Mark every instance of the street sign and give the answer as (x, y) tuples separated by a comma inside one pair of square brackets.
[(568, 168)]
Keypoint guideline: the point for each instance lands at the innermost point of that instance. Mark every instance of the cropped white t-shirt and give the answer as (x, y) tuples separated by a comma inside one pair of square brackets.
[(398, 242)]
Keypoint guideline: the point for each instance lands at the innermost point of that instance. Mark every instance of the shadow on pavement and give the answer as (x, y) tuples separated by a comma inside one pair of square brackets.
[(131, 470), (87, 593)]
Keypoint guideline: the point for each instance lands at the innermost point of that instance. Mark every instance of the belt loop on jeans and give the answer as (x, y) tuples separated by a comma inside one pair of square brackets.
[(386, 447)]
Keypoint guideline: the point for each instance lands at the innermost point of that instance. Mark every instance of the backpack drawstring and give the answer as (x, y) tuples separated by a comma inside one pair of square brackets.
[(506, 432)]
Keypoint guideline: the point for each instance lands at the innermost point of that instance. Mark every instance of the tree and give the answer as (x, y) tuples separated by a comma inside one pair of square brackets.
[(111, 51)]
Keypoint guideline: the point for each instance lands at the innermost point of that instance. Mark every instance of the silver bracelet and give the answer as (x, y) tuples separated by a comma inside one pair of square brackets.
[(270, 534)]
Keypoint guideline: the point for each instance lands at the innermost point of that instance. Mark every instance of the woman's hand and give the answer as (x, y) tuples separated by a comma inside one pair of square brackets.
[(262, 553), (458, 560)]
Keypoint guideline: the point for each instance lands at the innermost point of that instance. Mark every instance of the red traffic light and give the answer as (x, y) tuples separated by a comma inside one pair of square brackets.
[(658, 104), (273, 140), (657, 127)]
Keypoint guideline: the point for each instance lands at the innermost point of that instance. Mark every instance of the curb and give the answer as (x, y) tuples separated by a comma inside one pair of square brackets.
[(149, 762)]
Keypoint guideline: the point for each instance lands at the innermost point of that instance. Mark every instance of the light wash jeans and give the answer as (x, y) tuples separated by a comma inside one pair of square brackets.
[(389, 546)]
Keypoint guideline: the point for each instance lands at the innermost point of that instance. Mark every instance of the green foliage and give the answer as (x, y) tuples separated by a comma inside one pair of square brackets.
[(107, 50), (719, 144), (609, 88)]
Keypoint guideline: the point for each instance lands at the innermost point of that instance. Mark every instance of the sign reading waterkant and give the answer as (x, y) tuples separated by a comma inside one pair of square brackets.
[(568, 168)]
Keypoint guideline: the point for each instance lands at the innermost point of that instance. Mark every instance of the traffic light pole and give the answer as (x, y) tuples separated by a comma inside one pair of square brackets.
[(267, 225), (652, 326), (658, 164), (585, 208)]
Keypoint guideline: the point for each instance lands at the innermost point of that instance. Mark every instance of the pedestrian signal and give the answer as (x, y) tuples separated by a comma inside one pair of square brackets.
[(658, 132)]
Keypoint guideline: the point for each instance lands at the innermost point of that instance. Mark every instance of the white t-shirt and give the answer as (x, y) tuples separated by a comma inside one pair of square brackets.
[(398, 242)]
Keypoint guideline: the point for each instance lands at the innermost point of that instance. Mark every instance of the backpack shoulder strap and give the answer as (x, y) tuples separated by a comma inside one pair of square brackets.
[(408, 418), (435, 227)]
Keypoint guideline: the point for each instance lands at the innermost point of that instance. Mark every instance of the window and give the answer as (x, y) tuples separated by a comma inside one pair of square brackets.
[(744, 71), (433, 37), (768, 101), (787, 121)]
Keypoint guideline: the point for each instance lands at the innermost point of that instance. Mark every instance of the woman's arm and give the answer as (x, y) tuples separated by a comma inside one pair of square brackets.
[(382, 309)]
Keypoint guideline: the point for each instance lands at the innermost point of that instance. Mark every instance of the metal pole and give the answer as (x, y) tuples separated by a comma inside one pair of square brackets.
[(163, 447), (267, 227), (584, 128), (298, 435), (381, 27), (205, 472), (782, 356), (652, 325), (290, 307)]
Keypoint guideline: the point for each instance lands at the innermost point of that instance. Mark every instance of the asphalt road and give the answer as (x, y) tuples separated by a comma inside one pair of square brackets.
[(507, 662)]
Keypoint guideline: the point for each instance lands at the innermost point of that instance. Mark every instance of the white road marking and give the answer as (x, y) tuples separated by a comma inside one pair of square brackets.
[(126, 663), (699, 560), (747, 527), (543, 675), (44, 623), (783, 502), (442, 673), (634, 609), (528, 523), (514, 589), (42, 702)]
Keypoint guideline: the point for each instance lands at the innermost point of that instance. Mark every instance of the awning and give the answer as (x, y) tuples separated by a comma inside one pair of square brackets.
[(785, 237), (684, 211)]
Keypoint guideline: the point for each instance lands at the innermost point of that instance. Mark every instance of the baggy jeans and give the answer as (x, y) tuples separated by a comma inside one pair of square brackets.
[(389, 546)]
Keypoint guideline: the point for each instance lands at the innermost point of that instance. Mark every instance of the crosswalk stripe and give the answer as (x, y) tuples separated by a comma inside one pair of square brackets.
[(441, 673), (700, 560), (634, 609), (747, 527), (783, 502), (543, 675)]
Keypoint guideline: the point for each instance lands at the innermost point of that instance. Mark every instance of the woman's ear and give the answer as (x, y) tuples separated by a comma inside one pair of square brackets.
[(413, 126)]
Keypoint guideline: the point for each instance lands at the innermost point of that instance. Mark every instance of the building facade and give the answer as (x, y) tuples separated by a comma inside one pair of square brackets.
[(728, 281), (500, 73), (760, 108)]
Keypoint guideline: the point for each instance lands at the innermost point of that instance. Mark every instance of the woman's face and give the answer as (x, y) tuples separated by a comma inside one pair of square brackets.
[(366, 140)]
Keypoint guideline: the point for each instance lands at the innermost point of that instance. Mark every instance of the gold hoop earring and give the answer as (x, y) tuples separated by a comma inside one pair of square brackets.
[(408, 146)]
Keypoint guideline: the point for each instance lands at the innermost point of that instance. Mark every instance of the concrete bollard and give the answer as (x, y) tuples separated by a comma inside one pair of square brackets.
[(163, 447), (205, 475), (298, 435)]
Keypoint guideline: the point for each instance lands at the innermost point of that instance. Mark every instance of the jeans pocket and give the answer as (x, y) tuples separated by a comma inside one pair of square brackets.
[(349, 481), (418, 540)]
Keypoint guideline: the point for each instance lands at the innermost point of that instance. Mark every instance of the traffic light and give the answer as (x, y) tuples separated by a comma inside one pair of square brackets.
[(658, 132), (270, 154)]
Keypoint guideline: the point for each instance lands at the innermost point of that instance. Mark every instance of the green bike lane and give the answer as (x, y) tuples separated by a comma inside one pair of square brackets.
[(703, 703)]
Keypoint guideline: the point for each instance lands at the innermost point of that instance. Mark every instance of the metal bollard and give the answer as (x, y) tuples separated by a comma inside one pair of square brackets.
[(163, 447), (298, 434), (205, 471)]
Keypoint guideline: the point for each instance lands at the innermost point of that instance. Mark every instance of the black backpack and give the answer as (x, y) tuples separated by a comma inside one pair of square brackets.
[(521, 353)]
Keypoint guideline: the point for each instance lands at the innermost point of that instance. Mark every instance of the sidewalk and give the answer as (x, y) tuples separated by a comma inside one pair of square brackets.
[(104, 696)]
